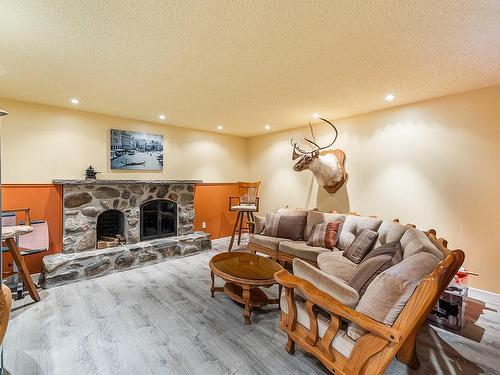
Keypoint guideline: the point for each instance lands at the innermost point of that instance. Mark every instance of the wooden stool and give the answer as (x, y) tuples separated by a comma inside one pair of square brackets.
[(9, 235), (247, 203)]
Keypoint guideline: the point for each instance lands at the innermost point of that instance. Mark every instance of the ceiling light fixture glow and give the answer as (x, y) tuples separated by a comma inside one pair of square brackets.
[(162, 117), (315, 115), (220, 127), (389, 97), (74, 101), (267, 127)]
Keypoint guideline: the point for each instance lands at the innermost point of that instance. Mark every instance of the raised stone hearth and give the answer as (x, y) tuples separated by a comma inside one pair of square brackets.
[(67, 268), (95, 208)]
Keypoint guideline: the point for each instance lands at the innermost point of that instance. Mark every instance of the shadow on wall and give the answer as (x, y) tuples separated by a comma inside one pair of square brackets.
[(339, 201)]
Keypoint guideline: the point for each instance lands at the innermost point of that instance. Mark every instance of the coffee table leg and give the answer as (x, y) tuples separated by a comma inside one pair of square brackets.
[(212, 288), (246, 300)]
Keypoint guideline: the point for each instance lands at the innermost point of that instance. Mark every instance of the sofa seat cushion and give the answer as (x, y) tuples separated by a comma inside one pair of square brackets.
[(266, 241), (317, 217), (301, 250), (334, 263), (341, 342), (331, 285), (389, 231), (415, 241), (388, 294), (353, 226)]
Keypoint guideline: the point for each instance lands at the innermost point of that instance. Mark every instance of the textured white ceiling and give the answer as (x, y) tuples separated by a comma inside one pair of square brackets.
[(244, 64)]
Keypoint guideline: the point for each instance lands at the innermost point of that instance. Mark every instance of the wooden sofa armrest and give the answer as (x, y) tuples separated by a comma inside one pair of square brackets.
[(27, 219), (332, 305)]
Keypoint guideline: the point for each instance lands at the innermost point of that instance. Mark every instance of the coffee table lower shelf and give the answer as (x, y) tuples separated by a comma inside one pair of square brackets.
[(249, 297)]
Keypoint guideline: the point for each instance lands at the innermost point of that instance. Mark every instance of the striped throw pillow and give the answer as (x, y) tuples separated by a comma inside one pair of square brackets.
[(325, 235)]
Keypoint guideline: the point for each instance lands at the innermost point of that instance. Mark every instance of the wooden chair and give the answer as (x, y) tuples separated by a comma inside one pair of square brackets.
[(373, 352), (245, 204), (9, 235)]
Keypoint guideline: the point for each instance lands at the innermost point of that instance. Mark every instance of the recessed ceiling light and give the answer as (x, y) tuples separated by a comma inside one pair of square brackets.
[(74, 101), (390, 97), (220, 127), (267, 127), (162, 117), (315, 115)]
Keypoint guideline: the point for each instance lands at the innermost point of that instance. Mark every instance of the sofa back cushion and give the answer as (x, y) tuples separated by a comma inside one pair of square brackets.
[(388, 294), (353, 226), (361, 245), (317, 217), (283, 226), (415, 241), (377, 261), (325, 235), (389, 231), (329, 284)]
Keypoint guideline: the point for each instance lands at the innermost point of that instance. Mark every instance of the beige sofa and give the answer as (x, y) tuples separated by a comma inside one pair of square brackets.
[(349, 333)]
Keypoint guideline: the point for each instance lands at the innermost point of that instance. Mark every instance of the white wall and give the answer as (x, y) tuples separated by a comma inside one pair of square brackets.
[(435, 164), (40, 143)]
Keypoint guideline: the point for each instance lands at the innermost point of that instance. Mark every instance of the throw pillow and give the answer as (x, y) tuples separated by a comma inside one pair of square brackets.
[(325, 235), (376, 262), (283, 226), (361, 246)]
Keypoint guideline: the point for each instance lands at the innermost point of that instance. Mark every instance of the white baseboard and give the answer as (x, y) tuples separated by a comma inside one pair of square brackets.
[(485, 291)]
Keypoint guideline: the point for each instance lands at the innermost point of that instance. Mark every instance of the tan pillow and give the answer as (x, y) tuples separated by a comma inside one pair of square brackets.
[(325, 235), (291, 227), (361, 245), (388, 294), (376, 262), (329, 284)]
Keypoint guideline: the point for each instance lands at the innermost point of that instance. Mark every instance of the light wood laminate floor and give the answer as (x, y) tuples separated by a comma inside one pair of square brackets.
[(160, 319)]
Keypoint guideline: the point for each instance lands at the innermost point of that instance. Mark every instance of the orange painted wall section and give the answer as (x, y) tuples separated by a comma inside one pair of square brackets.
[(211, 204), (45, 202)]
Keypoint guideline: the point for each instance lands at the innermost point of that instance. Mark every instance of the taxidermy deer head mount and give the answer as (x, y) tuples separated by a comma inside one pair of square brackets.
[(327, 166)]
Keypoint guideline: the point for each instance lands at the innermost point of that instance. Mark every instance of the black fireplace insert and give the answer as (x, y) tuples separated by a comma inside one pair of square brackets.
[(158, 219)]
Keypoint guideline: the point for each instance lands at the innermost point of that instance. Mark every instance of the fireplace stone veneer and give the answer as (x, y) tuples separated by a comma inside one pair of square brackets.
[(85, 200)]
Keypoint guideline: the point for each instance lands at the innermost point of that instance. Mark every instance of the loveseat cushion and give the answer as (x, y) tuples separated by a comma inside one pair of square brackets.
[(341, 342), (415, 241), (284, 226), (317, 217), (334, 263), (259, 223), (389, 231), (301, 250), (388, 294), (331, 285), (266, 241), (376, 262), (361, 245), (353, 225)]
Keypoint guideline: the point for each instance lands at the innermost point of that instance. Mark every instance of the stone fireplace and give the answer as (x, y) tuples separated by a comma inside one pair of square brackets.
[(154, 219)]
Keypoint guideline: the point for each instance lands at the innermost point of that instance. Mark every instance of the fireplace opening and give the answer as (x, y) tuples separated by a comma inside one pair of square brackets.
[(158, 219), (109, 229)]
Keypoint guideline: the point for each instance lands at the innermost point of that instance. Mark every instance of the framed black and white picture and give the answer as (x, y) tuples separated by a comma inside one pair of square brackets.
[(136, 151)]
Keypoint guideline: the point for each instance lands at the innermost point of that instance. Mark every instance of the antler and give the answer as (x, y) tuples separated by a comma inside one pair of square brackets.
[(317, 147)]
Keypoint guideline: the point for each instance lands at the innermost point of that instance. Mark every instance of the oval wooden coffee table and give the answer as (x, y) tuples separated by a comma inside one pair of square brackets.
[(244, 274)]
